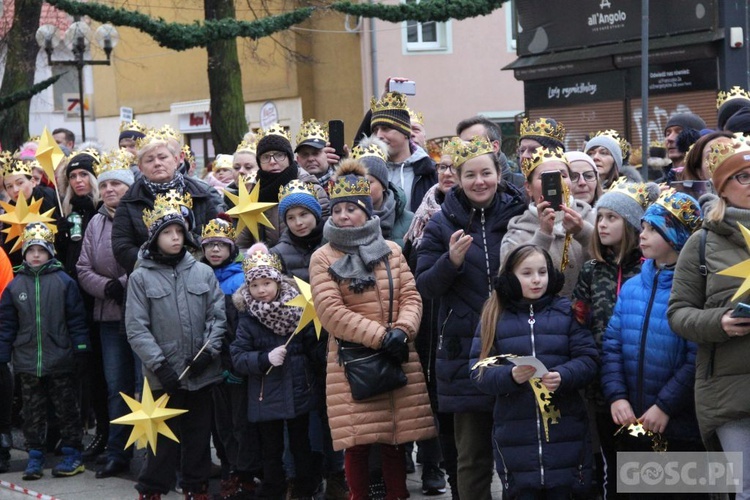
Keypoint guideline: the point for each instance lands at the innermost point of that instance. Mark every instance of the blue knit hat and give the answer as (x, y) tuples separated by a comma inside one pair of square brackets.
[(675, 216), (298, 193)]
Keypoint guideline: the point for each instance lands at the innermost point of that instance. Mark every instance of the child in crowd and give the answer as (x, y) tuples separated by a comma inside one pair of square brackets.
[(175, 319), (43, 326), (281, 388), (524, 316)]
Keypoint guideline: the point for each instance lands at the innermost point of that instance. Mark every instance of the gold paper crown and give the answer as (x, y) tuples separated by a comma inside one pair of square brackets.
[(682, 207), (164, 207), (542, 155), (218, 228), (724, 150), (344, 187), (733, 93), (171, 133), (621, 141), (261, 259), (17, 167), (189, 156), (312, 130), (6, 158), (415, 117), (176, 198), (34, 138), (134, 126), (247, 147), (223, 162), (296, 186), (543, 127), (461, 151), (37, 231), (391, 100), (117, 159), (250, 178), (153, 136), (636, 190), (275, 129), (371, 150), (88, 151)]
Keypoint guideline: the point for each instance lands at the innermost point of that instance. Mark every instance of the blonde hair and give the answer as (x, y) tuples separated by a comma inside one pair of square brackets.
[(715, 211), (69, 194), (629, 242)]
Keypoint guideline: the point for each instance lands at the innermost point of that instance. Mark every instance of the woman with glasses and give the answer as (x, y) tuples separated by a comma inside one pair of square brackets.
[(702, 302), (584, 177)]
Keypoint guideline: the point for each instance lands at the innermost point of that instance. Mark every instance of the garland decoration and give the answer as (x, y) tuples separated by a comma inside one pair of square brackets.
[(425, 11), (27, 93)]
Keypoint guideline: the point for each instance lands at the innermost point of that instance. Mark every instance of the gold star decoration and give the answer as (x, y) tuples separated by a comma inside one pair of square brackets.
[(741, 270), (658, 443), (48, 154), (249, 210), (305, 302), (148, 418), (17, 216)]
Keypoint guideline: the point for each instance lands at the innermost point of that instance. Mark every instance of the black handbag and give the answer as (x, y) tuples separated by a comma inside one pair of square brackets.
[(371, 371)]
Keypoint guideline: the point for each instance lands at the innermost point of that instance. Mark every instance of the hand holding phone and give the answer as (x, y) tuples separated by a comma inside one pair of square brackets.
[(552, 188), (401, 85), (741, 310), (336, 136)]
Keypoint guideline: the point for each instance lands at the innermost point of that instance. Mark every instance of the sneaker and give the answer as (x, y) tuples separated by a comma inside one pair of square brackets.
[(433, 480), (70, 465), (35, 466)]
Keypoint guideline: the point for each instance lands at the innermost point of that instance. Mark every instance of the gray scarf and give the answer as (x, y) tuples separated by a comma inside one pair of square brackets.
[(364, 247), (387, 213)]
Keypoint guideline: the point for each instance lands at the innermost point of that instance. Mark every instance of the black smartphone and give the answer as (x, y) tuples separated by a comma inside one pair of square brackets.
[(336, 136), (741, 310), (552, 188)]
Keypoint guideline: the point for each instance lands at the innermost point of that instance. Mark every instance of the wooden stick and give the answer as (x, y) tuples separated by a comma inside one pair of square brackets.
[(285, 344), (199, 352)]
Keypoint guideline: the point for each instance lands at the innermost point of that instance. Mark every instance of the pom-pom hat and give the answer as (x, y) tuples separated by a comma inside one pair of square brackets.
[(351, 185)]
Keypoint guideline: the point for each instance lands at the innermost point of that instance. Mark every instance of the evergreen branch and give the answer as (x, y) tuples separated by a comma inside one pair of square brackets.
[(25, 94), (423, 12)]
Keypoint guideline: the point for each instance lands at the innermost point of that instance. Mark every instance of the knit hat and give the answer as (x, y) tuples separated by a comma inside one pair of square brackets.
[(685, 120), (675, 216), (298, 193), (392, 111), (546, 131), (572, 156), (274, 138), (219, 230), (629, 200), (260, 263), (351, 184), (373, 154), (739, 121), (166, 211), (313, 134), (37, 233), (726, 159), (85, 160), (115, 166), (606, 142), (730, 102), (132, 130)]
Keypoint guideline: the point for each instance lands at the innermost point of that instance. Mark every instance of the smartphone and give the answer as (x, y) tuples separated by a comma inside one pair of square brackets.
[(336, 136), (552, 188), (741, 310), (406, 87)]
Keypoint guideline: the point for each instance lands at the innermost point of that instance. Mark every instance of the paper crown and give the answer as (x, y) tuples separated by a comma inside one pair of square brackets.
[(117, 159), (88, 151), (371, 150), (461, 150), (346, 185), (189, 156), (542, 155), (223, 162), (733, 93), (166, 205), (133, 126), (682, 207), (37, 231), (391, 100), (543, 127), (16, 167), (175, 197), (296, 186), (621, 141), (275, 129), (415, 117), (724, 150), (218, 228), (261, 259), (312, 130), (636, 190), (162, 135), (247, 147), (250, 178), (6, 157)]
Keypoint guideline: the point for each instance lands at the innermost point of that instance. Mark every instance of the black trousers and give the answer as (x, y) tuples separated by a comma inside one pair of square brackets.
[(240, 438)]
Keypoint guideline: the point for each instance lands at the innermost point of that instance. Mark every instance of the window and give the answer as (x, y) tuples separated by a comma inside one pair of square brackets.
[(426, 37), (67, 84), (511, 25)]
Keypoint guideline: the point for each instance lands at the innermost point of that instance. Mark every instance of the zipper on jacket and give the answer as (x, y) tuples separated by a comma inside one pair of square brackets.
[(644, 336), (38, 314), (486, 256), (442, 330), (532, 321), (432, 338), (505, 479), (710, 368)]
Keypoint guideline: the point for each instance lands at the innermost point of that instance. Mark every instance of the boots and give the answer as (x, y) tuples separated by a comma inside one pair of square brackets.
[(6, 443), (149, 496), (200, 493)]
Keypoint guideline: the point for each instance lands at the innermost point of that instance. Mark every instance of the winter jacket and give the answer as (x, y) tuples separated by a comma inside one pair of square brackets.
[(462, 291), (524, 458), (394, 417), (420, 170), (288, 391), (97, 266), (294, 257), (696, 306), (171, 313), (70, 250), (524, 229), (230, 277), (644, 361), (129, 232), (42, 321)]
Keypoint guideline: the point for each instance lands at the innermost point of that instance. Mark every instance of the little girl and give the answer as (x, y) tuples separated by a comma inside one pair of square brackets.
[(525, 317), (281, 385)]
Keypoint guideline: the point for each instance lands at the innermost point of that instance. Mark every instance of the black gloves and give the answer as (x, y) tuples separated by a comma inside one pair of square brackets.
[(395, 345), (200, 364), (168, 378), (115, 291)]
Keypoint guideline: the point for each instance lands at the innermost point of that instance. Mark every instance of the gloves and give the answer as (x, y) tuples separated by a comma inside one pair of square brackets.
[(114, 290), (168, 378), (231, 378), (199, 364), (395, 345), (276, 357)]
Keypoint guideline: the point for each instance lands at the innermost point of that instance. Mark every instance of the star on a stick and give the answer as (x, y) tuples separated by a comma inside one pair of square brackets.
[(305, 302), (741, 270), (17, 216), (49, 155), (249, 210), (148, 419)]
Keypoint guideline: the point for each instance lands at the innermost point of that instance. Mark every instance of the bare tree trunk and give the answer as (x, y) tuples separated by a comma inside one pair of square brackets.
[(228, 123), (20, 66)]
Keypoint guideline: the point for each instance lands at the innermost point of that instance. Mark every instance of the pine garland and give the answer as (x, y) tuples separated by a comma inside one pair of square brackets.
[(25, 94), (424, 11)]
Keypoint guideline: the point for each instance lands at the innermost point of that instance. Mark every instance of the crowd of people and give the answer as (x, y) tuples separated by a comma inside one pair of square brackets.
[(429, 273)]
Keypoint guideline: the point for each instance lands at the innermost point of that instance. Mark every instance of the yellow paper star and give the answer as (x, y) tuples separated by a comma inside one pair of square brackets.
[(17, 216), (741, 270), (249, 210), (48, 154), (148, 419), (305, 302)]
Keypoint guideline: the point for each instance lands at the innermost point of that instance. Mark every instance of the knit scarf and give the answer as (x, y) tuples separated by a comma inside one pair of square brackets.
[(178, 183), (312, 240), (168, 260), (387, 213), (364, 247), (271, 182), (278, 317), (429, 207)]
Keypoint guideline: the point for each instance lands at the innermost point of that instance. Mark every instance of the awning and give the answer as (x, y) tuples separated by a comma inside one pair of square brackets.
[(188, 107)]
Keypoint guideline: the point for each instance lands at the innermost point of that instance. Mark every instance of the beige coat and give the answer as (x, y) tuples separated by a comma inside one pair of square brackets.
[(392, 418)]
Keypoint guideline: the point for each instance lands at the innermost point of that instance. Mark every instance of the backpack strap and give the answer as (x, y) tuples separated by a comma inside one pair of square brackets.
[(702, 253)]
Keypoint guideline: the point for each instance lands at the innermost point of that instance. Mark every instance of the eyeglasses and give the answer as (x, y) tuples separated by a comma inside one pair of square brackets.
[(442, 168), (589, 176), (743, 178), (278, 156), (214, 244)]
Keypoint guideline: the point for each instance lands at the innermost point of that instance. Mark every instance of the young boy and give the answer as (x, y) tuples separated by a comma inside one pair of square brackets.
[(43, 326)]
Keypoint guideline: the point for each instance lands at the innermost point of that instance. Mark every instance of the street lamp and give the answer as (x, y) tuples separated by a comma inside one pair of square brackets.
[(76, 38)]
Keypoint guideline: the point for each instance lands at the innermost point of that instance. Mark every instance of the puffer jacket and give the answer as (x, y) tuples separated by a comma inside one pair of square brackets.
[(231, 277), (287, 391), (524, 229), (171, 313), (295, 257), (97, 266), (696, 306), (644, 361), (394, 417), (524, 458), (462, 291), (42, 321)]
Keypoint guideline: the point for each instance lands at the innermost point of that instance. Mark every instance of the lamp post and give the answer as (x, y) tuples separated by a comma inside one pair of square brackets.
[(76, 38)]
